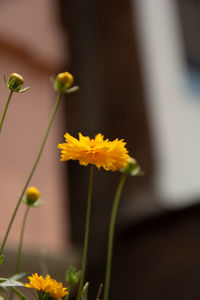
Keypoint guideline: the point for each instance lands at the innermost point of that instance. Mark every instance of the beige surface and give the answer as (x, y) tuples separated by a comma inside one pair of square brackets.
[(26, 123), (33, 25)]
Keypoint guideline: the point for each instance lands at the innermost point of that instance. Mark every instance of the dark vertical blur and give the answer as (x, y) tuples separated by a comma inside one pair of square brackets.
[(105, 62), (189, 13)]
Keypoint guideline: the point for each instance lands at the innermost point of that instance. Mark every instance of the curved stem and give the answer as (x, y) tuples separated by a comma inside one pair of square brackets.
[(21, 239), (5, 110), (87, 227), (32, 171), (20, 247), (111, 235)]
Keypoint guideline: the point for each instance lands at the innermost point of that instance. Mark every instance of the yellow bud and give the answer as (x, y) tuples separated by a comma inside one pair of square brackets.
[(15, 81), (63, 81), (32, 195)]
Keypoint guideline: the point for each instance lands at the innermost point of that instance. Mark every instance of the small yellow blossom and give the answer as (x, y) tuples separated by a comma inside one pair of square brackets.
[(111, 155), (32, 194), (47, 285)]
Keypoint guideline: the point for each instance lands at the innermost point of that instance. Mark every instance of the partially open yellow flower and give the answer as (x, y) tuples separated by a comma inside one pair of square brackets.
[(46, 285), (111, 155)]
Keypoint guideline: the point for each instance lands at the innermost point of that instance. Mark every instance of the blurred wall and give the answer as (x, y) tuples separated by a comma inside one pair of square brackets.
[(31, 44)]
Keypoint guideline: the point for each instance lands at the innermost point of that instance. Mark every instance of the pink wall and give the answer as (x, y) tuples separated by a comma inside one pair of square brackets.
[(31, 45)]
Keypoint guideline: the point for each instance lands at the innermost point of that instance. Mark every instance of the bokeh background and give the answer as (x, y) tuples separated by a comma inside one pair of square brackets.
[(137, 64)]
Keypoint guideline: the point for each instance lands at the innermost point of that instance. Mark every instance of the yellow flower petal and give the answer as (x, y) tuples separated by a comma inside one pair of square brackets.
[(47, 285), (110, 155)]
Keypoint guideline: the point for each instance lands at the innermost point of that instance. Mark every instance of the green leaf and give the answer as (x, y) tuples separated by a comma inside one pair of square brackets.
[(2, 287), (2, 280), (5, 81), (10, 282), (17, 276), (85, 291), (19, 294), (72, 90), (1, 259), (24, 90)]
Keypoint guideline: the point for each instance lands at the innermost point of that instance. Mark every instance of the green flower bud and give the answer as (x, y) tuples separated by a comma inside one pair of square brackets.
[(63, 81), (15, 83), (72, 276), (132, 168)]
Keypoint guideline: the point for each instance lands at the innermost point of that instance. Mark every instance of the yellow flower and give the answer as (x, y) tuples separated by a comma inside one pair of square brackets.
[(47, 285), (111, 155)]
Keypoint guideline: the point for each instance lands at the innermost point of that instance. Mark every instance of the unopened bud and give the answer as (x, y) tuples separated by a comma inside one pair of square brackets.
[(15, 83), (63, 81), (72, 276), (32, 195), (132, 168)]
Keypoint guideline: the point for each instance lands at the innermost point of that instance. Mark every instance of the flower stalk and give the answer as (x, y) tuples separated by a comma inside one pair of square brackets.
[(111, 235), (32, 171), (21, 240), (14, 84), (87, 227), (5, 109), (19, 251)]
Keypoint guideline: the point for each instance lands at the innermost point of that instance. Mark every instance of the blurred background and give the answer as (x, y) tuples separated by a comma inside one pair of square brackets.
[(137, 63)]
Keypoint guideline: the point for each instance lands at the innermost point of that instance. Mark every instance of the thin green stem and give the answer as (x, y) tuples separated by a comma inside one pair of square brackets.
[(5, 110), (87, 227), (20, 247), (21, 239), (69, 290), (31, 172), (111, 235)]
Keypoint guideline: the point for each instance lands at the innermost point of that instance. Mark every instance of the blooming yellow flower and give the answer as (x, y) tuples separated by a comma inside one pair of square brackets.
[(111, 155), (47, 285)]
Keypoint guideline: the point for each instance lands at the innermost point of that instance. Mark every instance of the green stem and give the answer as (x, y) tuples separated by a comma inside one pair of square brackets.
[(20, 247), (21, 239), (32, 171), (111, 235), (5, 110), (69, 290), (87, 227)]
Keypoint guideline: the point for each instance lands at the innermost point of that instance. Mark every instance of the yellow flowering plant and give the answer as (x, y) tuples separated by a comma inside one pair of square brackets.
[(98, 151), (46, 287)]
